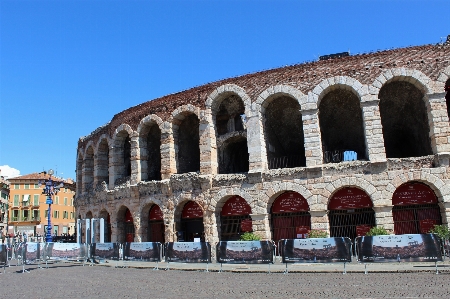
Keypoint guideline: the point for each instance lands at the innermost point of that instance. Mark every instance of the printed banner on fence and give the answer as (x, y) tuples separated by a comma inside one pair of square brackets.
[(317, 250), (399, 248), (245, 252), (188, 252), (108, 251), (144, 251), (32, 252), (65, 251), (3, 254)]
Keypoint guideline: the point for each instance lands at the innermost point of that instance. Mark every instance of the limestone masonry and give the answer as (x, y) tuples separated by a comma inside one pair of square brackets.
[(340, 144)]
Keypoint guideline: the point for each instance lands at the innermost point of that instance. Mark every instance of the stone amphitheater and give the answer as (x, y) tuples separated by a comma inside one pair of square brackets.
[(340, 144)]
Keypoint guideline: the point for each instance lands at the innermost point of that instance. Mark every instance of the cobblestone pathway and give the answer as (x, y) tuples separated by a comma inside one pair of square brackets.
[(74, 281)]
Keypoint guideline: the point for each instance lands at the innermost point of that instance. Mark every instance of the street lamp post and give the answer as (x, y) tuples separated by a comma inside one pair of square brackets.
[(51, 188)]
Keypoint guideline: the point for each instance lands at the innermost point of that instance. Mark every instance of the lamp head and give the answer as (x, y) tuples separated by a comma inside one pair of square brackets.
[(50, 172)]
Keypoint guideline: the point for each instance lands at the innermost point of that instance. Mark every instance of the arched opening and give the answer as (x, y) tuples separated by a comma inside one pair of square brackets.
[(351, 214), (290, 217), (283, 130), (123, 157), (103, 162), (235, 219), (151, 152), (341, 127), (416, 209), (89, 169), (155, 231), (234, 155), (404, 120), (191, 224), (80, 188), (231, 135), (107, 232), (125, 226), (447, 96), (187, 139)]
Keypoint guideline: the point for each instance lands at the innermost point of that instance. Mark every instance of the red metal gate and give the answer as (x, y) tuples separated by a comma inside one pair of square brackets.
[(290, 225), (235, 219), (416, 219), (349, 223)]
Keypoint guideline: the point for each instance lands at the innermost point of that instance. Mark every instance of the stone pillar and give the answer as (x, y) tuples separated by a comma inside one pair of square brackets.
[(114, 227), (373, 131), (169, 224), (319, 220), (384, 218), (135, 161), (139, 234), (111, 168), (210, 225), (208, 146), (142, 158), (313, 142), (439, 123), (261, 225), (256, 143), (116, 168), (168, 165)]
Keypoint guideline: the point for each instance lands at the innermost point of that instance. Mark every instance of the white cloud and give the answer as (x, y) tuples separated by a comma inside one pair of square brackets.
[(9, 172)]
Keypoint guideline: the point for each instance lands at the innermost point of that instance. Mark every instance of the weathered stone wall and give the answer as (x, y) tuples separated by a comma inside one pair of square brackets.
[(359, 78)]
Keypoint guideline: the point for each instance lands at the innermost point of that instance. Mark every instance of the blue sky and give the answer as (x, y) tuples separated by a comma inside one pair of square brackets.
[(66, 67)]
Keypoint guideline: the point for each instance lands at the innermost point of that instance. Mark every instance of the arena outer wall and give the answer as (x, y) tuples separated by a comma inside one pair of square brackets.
[(302, 112)]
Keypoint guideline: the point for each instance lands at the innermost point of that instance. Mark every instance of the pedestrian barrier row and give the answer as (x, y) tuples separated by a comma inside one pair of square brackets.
[(391, 248)]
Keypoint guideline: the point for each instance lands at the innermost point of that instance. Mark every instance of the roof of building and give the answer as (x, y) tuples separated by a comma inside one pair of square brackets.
[(40, 176), (429, 59)]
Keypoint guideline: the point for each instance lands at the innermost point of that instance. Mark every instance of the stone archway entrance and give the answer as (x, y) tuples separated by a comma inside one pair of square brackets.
[(290, 217), (128, 227), (155, 232), (351, 214), (235, 219), (191, 223), (416, 209)]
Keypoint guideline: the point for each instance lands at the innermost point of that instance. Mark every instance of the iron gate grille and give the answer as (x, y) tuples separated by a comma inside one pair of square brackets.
[(156, 231), (129, 232), (284, 224), (231, 227), (407, 218), (343, 223)]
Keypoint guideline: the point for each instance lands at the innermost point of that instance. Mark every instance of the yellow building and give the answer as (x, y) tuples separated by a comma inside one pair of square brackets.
[(28, 209)]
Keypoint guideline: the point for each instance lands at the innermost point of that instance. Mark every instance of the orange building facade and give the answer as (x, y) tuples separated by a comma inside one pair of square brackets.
[(28, 209)]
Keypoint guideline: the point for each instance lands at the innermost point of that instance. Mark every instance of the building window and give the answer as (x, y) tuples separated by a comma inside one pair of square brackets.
[(46, 213), (36, 186), (36, 199), (16, 200), (25, 200), (65, 201), (27, 186), (16, 186), (56, 200), (65, 215), (56, 214), (36, 215), (15, 216)]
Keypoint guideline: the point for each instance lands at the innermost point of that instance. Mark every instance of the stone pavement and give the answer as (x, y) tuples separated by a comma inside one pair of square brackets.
[(71, 280)]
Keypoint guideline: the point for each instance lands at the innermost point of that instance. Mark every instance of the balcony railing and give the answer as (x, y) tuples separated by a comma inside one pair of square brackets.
[(285, 162)]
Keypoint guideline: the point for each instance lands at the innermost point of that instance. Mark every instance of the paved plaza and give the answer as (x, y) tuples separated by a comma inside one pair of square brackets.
[(66, 280)]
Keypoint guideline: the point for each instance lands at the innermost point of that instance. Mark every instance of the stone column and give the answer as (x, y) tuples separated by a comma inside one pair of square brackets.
[(208, 146), (139, 233), (142, 156), (256, 143), (261, 226), (169, 224), (439, 123), (319, 220), (168, 165), (384, 218), (375, 150), (313, 142), (116, 168), (135, 161)]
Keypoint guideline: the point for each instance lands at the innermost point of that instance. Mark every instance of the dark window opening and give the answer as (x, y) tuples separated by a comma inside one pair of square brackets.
[(229, 116), (231, 227), (234, 156), (345, 223), (404, 121), (103, 162), (341, 126), (154, 153), (188, 145), (127, 156), (283, 129), (192, 228)]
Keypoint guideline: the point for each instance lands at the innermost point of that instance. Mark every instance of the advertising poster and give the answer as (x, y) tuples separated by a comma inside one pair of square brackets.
[(32, 252), (108, 251), (399, 248), (317, 250), (65, 251), (188, 252), (3, 254), (245, 252), (144, 251)]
